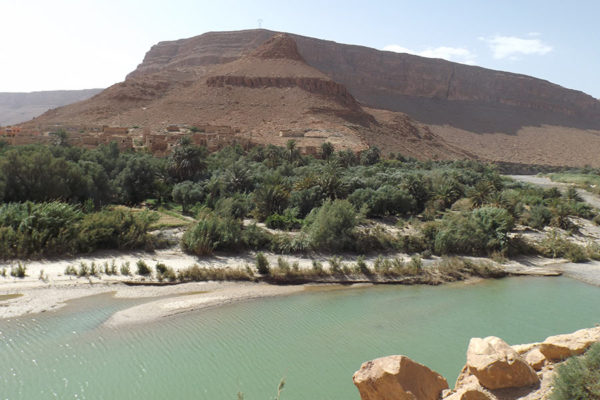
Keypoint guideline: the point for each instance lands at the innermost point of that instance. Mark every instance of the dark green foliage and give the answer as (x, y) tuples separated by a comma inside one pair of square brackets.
[(187, 193), (327, 150), (270, 199), (262, 264), (579, 377), (212, 232), (274, 184), (143, 268), (114, 229), (286, 221), (32, 230), (186, 162), (370, 156), (479, 232), (331, 227), (538, 216), (387, 200), (137, 181)]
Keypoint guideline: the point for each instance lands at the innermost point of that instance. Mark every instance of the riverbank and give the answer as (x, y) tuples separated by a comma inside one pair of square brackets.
[(47, 287)]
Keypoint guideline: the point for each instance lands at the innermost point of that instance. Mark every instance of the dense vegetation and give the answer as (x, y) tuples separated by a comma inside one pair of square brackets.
[(63, 199), (579, 377)]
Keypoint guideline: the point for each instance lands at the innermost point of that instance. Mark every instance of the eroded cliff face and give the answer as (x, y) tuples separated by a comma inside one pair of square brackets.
[(432, 90)]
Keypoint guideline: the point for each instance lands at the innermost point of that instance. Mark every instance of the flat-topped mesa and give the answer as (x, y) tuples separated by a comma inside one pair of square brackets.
[(280, 46)]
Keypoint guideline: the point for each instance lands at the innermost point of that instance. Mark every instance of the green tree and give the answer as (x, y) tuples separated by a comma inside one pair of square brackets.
[(327, 150), (187, 162), (331, 226), (187, 193)]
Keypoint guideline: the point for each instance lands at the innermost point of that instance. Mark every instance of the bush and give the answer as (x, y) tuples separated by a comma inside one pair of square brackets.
[(554, 245), (287, 221), (20, 271), (115, 229), (262, 264), (480, 232), (143, 268), (331, 227), (28, 229), (125, 270), (198, 274), (211, 233), (579, 377)]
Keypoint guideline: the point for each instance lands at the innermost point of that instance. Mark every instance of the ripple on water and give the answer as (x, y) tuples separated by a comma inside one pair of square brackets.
[(315, 340)]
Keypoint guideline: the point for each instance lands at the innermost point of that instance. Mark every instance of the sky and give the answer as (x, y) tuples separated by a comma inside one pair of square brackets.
[(78, 44)]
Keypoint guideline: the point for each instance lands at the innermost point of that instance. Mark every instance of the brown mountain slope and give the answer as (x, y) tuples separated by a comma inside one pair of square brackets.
[(269, 95), (489, 114), (493, 114)]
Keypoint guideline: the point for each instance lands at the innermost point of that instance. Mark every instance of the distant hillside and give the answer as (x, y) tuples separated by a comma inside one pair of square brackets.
[(21, 107)]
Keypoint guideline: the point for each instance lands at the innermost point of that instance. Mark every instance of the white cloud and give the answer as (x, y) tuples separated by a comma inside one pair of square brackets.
[(458, 54), (511, 46)]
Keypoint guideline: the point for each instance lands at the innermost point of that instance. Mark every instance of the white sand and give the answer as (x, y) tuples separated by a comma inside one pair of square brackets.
[(225, 294)]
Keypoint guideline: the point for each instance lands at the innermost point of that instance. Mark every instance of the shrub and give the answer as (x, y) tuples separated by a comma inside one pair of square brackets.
[(262, 264), (143, 268), (287, 221), (125, 270), (361, 266), (331, 227), (579, 377), (164, 272), (196, 273), (538, 217), (70, 270), (555, 245), (211, 233), (115, 229), (482, 231), (20, 271), (28, 229), (83, 270)]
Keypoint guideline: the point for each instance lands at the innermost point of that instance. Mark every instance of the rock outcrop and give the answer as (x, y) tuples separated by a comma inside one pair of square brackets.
[(559, 347), (494, 371), (497, 365), (398, 378)]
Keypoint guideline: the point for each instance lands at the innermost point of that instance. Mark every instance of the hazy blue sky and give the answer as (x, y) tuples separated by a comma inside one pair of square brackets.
[(75, 44)]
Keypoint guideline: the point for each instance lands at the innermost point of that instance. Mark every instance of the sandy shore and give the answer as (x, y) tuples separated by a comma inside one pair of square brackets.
[(224, 294), (46, 286)]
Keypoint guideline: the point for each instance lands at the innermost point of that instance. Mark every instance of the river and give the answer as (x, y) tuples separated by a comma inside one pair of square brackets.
[(315, 340)]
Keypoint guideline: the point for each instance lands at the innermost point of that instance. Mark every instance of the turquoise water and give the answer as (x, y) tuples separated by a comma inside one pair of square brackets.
[(314, 340)]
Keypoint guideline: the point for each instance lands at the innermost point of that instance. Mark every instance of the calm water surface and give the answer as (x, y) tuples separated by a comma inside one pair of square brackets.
[(315, 340)]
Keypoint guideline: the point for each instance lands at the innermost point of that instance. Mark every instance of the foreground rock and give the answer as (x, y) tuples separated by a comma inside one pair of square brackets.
[(398, 378), (497, 365), (494, 371), (559, 347)]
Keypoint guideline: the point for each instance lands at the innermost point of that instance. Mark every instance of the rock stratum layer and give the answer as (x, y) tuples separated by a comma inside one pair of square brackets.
[(259, 83)]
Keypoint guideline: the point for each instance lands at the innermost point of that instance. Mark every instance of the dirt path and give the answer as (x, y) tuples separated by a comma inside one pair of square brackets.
[(547, 183)]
